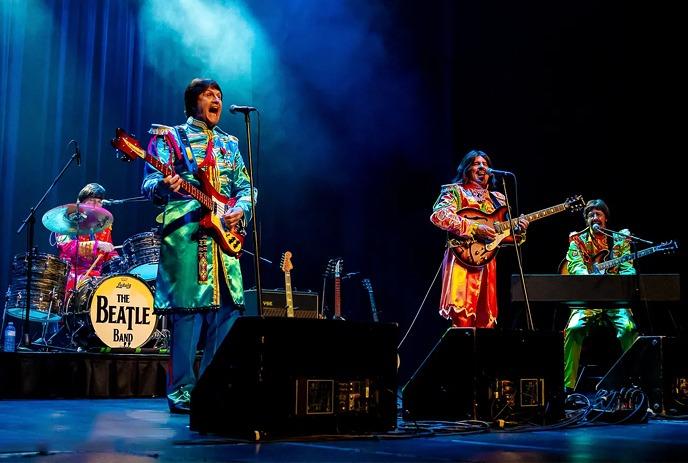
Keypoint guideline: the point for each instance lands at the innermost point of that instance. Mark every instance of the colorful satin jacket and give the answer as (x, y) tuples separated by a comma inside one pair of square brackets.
[(190, 259), (461, 286), (585, 249), (88, 253)]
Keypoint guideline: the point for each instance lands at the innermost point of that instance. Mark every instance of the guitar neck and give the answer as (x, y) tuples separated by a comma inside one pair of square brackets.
[(373, 307), (186, 186), (541, 214), (337, 298), (287, 289), (620, 260)]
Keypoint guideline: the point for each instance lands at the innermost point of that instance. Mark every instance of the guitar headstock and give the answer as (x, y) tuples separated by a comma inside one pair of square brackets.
[(285, 263), (335, 267), (128, 145), (367, 284), (667, 247), (574, 203)]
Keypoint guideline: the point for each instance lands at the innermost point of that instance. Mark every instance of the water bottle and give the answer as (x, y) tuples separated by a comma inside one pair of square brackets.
[(10, 336)]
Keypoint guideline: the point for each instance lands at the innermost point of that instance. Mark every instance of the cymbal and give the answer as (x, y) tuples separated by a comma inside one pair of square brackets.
[(66, 220)]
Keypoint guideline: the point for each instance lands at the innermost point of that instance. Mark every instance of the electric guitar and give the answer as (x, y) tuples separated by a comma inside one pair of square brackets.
[(336, 267), (373, 308), (215, 203), (476, 253), (286, 267), (601, 266)]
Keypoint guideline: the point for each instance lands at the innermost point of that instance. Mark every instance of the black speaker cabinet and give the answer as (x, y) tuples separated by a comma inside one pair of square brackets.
[(658, 365), (275, 377), (488, 374)]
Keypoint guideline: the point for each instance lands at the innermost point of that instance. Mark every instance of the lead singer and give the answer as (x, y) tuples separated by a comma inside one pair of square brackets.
[(194, 275), (469, 294)]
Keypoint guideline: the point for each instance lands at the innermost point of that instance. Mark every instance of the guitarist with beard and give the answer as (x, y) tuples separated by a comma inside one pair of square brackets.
[(469, 293), (198, 272), (586, 248)]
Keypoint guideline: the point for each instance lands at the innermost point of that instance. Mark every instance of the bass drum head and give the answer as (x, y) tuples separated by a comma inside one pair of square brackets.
[(121, 311)]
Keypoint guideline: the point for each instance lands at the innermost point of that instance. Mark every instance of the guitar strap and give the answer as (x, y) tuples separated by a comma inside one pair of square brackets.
[(201, 236), (495, 202), (185, 147)]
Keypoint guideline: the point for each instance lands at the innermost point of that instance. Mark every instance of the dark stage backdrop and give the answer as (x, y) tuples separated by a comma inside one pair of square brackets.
[(366, 109)]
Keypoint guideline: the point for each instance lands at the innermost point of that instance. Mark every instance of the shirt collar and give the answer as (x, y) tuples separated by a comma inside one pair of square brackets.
[(193, 122)]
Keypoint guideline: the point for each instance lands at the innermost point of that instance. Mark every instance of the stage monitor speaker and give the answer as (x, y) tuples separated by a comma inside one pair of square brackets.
[(276, 377), (275, 303), (489, 374), (656, 364)]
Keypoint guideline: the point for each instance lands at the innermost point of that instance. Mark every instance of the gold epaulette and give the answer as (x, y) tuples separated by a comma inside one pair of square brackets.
[(159, 129), (577, 233)]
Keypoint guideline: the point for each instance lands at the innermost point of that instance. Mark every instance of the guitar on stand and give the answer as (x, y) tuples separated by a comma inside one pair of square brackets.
[(286, 266), (335, 267), (373, 308)]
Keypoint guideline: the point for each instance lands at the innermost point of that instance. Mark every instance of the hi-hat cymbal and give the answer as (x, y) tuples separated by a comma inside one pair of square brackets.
[(67, 220)]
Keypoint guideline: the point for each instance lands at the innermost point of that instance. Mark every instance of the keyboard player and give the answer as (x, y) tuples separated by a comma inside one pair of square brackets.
[(586, 248)]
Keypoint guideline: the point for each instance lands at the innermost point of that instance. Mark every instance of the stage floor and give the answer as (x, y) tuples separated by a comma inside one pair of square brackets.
[(142, 430)]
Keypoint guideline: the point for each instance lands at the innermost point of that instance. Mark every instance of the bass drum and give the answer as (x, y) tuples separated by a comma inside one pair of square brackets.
[(115, 311)]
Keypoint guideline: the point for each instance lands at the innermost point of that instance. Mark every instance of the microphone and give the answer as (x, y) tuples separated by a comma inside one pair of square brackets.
[(499, 173), (77, 153), (596, 227), (241, 109), (112, 202)]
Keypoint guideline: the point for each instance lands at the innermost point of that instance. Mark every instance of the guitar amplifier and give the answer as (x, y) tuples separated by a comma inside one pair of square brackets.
[(275, 302)]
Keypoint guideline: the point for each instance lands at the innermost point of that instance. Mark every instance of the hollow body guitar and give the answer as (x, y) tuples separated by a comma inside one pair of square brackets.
[(477, 253)]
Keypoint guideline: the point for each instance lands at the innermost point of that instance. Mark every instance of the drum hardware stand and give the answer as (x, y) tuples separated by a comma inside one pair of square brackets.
[(42, 341), (30, 220), (162, 336)]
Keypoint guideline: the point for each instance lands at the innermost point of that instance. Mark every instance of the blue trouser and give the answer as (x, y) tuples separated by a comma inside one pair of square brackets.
[(186, 330)]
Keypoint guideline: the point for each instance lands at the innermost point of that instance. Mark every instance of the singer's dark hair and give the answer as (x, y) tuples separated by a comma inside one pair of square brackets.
[(92, 190), (596, 204), (195, 88), (461, 171)]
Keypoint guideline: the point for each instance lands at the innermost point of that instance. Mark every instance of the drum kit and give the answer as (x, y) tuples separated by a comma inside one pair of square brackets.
[(113, 310)]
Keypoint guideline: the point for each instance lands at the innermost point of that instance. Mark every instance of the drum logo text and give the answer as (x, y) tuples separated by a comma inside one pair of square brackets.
[(121, 314)]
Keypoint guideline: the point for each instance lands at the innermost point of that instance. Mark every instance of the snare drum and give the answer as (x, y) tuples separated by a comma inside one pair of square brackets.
[(142, 254), (118, 309), (48, 280)]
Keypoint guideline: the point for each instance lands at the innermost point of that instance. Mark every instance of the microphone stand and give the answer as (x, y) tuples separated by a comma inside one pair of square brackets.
[(254, 217), (636, 290), (512, 221), (611, 233), (30, 220)]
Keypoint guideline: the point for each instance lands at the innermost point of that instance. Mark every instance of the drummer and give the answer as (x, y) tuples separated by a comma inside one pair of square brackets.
[(94, 248)]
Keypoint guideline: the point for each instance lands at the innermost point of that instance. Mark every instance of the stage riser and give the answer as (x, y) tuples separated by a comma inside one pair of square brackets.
[(81, 375)]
